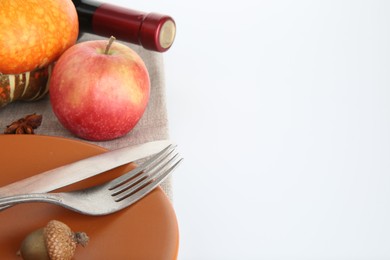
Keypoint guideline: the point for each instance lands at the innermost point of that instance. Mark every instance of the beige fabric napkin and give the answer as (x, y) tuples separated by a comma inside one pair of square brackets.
[(152, 126)]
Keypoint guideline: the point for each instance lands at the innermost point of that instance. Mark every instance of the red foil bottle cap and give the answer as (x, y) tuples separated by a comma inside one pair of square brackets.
[(153, 31), (157, 32)]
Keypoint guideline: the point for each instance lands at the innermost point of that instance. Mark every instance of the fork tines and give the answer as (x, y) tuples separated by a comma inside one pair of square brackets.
[(147, 176)]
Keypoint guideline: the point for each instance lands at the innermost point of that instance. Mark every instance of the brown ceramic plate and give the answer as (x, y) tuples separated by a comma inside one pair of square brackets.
[(146, 230)]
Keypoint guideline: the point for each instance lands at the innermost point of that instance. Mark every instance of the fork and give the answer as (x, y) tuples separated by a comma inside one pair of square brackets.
[(111, 196)]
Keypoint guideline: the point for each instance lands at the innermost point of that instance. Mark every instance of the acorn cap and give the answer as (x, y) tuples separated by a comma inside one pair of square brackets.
[(61, 241)]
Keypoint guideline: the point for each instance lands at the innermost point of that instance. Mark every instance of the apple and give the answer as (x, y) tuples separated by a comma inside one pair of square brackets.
[(99, 89), (35, 33)]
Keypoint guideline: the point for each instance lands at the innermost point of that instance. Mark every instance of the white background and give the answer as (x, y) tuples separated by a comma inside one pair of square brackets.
[(281, 110)]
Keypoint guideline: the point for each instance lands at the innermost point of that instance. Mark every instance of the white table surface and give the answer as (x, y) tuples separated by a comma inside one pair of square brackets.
[(281, 110)]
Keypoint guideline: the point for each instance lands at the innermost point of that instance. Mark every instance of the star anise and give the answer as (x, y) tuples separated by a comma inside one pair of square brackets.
[(24, 125)]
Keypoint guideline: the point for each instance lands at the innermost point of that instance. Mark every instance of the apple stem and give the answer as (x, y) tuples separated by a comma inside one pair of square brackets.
[(110, 41)]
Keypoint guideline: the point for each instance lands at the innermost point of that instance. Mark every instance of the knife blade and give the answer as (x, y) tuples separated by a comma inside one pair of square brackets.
[(83, 169)]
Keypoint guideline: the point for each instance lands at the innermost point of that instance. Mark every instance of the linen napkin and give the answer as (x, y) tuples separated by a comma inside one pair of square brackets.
[(152, 126)]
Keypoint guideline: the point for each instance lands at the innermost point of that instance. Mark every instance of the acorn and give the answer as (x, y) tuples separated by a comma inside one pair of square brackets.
[(55, 241)]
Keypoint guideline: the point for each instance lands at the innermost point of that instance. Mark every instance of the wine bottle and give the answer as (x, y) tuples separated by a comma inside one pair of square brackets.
[(153, 31)]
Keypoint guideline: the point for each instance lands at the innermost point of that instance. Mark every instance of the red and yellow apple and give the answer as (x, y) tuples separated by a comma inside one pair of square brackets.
[(99, 89), (35, 33)]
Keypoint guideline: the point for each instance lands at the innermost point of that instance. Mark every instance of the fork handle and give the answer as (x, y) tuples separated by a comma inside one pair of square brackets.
[(26, 198)]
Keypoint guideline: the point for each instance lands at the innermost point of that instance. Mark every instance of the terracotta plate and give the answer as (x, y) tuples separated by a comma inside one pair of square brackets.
[(146, 230)]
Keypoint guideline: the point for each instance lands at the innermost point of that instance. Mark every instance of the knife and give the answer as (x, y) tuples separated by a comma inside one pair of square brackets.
[(83, 169)]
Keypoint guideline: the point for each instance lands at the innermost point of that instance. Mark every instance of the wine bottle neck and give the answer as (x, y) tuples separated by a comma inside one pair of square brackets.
[(85, 10), (151, 30)]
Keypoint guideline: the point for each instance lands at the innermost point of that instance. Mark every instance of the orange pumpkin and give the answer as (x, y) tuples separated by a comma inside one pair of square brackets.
[(34, 33)]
